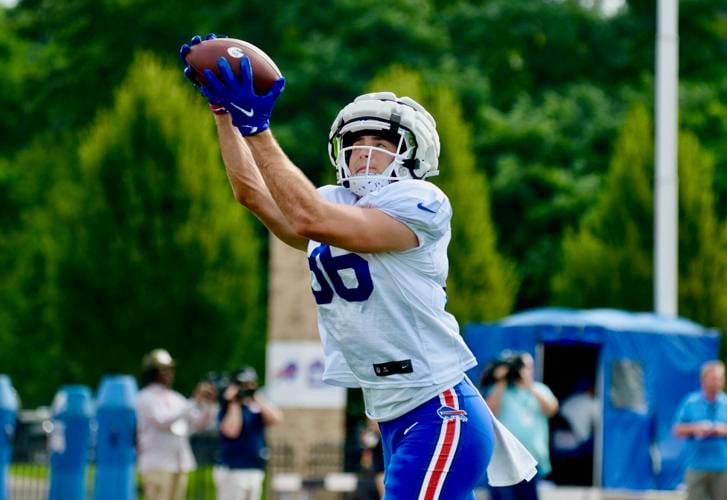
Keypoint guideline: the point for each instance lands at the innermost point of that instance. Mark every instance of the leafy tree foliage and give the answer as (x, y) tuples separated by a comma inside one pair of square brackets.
[(703, 111), (161, 254), (483, 284), (702, 242), (545, 160), (528, 47), (14, 51), (31, 242), (608, 262)]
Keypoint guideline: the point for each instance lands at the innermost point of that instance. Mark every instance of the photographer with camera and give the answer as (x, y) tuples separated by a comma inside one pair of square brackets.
[(243, 416), (523, 405)]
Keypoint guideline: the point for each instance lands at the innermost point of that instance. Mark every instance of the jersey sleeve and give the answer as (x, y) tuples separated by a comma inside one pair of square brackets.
[(337, 194), (421, 205)]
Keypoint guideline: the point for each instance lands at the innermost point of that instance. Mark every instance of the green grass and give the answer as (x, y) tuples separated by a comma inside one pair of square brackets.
[(30, 470), (201, 486)]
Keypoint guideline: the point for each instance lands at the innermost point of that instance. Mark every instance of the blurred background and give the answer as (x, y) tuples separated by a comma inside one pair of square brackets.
[(119, 232)]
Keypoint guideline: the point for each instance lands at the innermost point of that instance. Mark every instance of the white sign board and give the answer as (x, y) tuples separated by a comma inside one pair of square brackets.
[(293, 378)]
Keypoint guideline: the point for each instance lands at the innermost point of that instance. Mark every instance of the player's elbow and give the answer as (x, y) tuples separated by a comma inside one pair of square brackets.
[(246, 199), (307, 225), (240, 197)]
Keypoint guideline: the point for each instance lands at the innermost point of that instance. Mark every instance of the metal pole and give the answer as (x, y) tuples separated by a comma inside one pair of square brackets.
[(666, 179)]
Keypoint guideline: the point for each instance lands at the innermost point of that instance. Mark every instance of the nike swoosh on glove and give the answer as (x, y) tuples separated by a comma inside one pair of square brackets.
[(250, 112)]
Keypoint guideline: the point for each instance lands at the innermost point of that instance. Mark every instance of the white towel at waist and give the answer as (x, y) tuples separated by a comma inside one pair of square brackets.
[(510, 462)]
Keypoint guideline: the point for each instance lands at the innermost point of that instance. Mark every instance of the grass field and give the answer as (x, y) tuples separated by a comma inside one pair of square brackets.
[(31, 478)]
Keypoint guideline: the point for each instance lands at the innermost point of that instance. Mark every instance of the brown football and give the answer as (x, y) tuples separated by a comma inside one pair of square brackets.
[(205, 54)]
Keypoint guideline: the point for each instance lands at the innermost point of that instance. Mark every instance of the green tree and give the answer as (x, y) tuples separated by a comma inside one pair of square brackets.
[(702, 238), (703, 111), (14, 52), (528, 47), (31, 242), (482, 284), (609, 261), (82, 50), (545, 161), (162, 256)]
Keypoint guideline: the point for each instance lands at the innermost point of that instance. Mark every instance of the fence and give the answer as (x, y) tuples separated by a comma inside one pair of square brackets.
[(29, 475)]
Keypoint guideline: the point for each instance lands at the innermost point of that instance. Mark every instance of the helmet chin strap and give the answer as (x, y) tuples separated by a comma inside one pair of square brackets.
[(361, 185), (366, 183)]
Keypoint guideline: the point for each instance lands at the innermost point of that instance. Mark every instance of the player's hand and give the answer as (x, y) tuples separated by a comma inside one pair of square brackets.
[(250, 112), (189, 72), (184, 50)]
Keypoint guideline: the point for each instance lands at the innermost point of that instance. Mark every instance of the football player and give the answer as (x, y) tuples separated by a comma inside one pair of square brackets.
[(377, 252)]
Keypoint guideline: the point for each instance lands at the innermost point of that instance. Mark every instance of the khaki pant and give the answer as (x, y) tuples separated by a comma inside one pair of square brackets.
[(706, 485), (164, 485)]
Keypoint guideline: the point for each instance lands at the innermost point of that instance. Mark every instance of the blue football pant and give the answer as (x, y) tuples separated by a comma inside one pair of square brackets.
[(439, 450), (524, 490)]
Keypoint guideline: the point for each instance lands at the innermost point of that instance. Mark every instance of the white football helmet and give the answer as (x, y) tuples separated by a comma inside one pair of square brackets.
[(400, 120)]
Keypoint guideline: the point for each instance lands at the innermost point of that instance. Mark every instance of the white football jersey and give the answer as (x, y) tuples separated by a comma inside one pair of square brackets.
[(381, 316)]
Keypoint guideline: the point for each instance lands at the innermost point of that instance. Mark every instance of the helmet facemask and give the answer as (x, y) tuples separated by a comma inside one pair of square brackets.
[(367, 180)]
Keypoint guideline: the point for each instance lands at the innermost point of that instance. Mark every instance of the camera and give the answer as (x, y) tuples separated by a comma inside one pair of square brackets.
[(220, 381), (245, 393), (244, 378), (513, 363)]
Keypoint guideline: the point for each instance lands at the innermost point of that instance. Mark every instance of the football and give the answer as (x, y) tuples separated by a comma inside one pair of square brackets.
[(205, 54)]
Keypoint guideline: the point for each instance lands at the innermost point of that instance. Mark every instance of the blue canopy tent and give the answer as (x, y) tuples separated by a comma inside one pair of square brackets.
[(645, 365)]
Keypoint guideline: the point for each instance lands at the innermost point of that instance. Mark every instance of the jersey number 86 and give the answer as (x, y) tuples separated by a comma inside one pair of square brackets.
[(329, 277)]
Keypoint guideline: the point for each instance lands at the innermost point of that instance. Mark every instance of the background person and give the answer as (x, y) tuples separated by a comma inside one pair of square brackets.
[(371, 462), (581, 410), (523, 405), (702, 417), (165, 420), (244, 415), (572, 436)]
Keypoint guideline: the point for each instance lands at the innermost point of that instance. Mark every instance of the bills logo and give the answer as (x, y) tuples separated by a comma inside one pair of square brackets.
[(448, 413)]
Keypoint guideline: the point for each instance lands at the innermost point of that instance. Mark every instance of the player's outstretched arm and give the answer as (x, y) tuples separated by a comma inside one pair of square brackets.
[(307, 213), (248, 185), (310, 215)]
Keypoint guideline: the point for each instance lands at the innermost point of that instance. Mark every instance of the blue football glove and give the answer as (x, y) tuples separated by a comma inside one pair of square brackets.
[(184, 50), (250, 112), (189, 72)]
